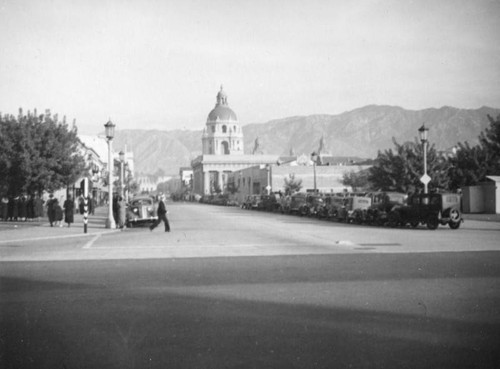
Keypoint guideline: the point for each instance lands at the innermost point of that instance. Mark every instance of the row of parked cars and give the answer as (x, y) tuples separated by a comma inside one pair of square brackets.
[(376, 208)]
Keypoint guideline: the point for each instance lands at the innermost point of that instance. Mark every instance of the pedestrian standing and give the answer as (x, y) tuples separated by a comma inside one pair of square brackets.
[(90, 205), (122, 207), (115, 209), (38, 208), (69, 210), (15, 208), (81, 205), (58, 213), (30, 208), (50, 209), (5, 208), (23, 209), (162, 215)]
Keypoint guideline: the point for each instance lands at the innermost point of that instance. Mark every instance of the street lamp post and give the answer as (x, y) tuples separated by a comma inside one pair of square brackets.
[(95, 179), (425, 179), (95, 170), (122, 179), (126, 169), (314, 158), (269, 186), (110, 133)]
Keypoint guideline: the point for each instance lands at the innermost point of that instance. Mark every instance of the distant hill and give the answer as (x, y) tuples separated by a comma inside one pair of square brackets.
[(357, 133)]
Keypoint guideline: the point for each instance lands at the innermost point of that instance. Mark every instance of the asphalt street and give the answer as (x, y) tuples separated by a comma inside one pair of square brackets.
[(232, 288)]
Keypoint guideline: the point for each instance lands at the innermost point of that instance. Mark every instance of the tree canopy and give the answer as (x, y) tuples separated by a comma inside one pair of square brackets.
[(37, 153), (472, 164), (292, 184), (357, 180), (401, 170)]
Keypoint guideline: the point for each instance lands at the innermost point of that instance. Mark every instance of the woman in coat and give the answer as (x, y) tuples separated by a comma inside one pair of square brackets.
[(38, 208), (122, 207), (69, 210), (58, 213)]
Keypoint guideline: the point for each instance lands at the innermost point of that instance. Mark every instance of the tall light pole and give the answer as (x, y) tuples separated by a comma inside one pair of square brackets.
[(122, 179), (425, 179), (95, 178), (110, 133), (126, 169), (269, 187), (314, 158)]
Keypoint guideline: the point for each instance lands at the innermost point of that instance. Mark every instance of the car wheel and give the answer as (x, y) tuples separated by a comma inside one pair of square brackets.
[(455, 219), (432, 221), (455, 215)]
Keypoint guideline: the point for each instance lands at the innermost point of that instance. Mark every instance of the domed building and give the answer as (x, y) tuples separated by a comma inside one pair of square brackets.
[(222, 134), (222, 150)]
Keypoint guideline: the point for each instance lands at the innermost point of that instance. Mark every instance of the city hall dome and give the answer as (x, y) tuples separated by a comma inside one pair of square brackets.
[(222, 111)]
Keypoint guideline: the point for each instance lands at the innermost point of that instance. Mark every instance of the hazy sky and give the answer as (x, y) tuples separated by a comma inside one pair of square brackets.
[(160, 64)]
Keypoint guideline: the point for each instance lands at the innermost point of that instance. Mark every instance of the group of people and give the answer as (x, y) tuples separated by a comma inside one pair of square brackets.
[(32, 208), (55, 212), (28, 208), (21, 208)]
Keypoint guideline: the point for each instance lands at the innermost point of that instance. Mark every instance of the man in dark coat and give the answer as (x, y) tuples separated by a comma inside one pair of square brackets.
[(51, 210), (162, 215)]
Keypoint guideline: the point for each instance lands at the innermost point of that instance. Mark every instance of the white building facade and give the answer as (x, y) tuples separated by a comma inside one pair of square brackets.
[(223, 150)]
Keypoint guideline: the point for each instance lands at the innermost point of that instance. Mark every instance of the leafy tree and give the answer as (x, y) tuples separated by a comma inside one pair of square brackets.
[(401, 170), (6, 152), (292, 185), (471, 164), (131, 184), (490, 141), (467, 166), (356, 180), (38, 153)]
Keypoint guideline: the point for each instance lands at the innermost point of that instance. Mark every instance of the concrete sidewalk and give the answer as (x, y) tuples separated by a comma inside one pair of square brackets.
[(26, 231), (482, 217)]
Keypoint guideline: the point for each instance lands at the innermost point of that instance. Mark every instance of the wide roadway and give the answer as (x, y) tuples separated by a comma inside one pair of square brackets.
[(232, 288)]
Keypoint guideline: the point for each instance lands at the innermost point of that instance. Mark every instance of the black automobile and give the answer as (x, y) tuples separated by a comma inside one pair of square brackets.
[(429, 209), (141, 210)]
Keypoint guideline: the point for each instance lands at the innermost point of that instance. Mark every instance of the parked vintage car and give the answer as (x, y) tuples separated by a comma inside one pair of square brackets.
[(269, 203), (357, 209), (429, 209), (312, 205), (296, 202), (141, 210), (334, 207), (382, 205), (251, 202)]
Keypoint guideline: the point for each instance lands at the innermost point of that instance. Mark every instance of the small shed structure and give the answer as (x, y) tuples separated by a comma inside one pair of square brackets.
[(483, 198)]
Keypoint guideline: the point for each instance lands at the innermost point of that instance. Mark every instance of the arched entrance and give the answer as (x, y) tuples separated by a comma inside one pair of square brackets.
[(225, 147)]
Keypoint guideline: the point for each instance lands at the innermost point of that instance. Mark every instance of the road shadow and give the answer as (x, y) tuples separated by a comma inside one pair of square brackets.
[(143, 314)]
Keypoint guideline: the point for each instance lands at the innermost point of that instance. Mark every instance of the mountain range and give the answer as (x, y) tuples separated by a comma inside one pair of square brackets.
[(358, 133)]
